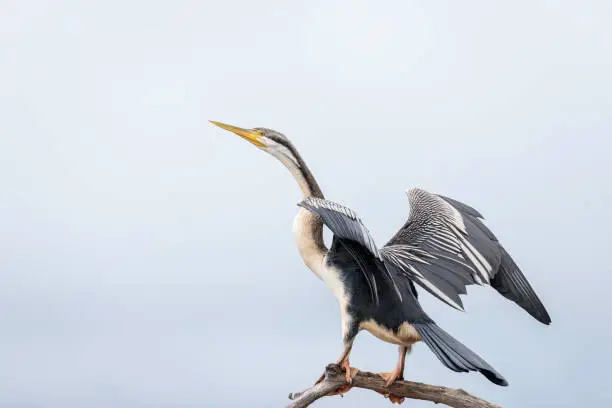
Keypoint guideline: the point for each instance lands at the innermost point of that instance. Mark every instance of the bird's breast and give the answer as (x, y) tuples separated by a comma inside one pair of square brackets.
[(308, 234), (332, 276), (307, 230)]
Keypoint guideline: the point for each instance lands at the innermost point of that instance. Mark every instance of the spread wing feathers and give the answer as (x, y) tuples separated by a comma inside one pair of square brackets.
[(349, 230), (511, 283), (442, 248), (445, 246), (464, 208), (342, 221), (432, 271)]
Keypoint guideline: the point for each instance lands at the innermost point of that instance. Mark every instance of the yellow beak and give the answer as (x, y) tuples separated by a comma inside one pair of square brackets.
[(250, 135)]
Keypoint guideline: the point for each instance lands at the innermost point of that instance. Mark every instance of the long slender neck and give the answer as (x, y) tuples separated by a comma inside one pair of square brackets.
[(304, 177), (307, 227)]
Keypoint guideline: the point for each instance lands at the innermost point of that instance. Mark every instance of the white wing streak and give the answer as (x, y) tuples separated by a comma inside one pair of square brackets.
[(443, 247), (440, 249)]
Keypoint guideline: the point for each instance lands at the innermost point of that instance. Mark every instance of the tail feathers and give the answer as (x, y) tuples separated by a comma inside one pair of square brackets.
[(455, 355), (510, 282)]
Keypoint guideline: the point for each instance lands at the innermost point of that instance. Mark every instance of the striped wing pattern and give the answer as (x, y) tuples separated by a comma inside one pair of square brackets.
[(444, 246), (441, 249)]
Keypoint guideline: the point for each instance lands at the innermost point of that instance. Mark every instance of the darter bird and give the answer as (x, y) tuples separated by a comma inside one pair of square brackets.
[(443, 247)]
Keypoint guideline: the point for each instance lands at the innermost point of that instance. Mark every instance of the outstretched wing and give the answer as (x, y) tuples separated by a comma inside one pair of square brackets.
[(342, 221), (444, 246), (352, 238)]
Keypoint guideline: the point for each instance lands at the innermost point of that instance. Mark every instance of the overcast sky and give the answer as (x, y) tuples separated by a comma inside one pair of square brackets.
[(147, 258)]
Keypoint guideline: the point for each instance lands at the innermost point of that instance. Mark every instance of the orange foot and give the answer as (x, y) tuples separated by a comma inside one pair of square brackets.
[(390, 378), (395, 399), (349, 372)]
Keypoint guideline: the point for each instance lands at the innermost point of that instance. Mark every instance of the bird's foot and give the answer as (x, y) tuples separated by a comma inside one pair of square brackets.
[(390, 377), (395, 399), (349, 372)]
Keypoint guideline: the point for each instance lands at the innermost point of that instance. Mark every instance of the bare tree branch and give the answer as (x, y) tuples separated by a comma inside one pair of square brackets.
[(334, 379)]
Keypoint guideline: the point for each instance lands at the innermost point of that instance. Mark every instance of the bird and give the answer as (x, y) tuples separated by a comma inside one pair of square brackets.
[(443, 247)]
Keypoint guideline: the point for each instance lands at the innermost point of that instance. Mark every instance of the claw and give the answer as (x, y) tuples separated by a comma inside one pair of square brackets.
[(349, 372), (390, 378)]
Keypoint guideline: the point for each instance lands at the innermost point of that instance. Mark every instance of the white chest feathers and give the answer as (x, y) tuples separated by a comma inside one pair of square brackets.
[(313, 255), (303, 231)]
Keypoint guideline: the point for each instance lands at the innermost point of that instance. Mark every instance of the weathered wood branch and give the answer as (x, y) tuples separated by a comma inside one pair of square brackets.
[(334, 380)]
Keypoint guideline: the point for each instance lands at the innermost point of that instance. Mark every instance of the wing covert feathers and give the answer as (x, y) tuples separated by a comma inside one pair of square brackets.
[(347, 226), (342, 221)]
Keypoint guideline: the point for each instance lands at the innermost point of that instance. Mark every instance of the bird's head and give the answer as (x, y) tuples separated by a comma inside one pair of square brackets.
[(279, 146), (268, 140)]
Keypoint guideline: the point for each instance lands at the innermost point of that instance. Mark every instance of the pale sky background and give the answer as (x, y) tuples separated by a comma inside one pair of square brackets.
[(147, 258)]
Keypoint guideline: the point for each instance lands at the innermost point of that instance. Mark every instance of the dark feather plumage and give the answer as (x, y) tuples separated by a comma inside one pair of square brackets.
[(392, 300), (347, 225), (443, 247), (511, 283), (459, 250)]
